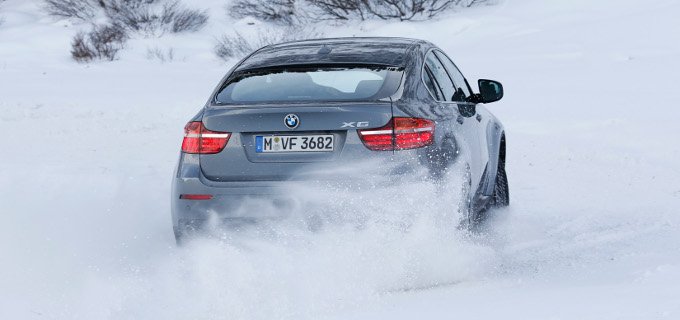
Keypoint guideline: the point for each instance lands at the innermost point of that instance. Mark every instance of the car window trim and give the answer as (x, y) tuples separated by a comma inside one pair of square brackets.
[(422, 80), (455, 66), (440, 92), (448, 74)]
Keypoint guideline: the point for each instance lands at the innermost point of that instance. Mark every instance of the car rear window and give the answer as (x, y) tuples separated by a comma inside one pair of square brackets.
[(310, 84)]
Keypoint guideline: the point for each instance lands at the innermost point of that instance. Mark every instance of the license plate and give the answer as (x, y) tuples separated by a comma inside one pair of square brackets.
[(307, 143)]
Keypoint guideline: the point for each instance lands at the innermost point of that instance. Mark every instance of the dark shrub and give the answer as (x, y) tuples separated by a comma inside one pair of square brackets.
[(101, 43), (146, 16), (188, 20), (155, 17), (385, 9), (282, 11), (238, 46), (83, 10), (233, 46), (339, 9)]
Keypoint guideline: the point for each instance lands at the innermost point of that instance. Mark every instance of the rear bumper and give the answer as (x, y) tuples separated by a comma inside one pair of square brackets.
[(237, 202)]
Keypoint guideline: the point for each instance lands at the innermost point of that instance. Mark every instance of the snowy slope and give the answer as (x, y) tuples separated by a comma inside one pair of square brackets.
[(593, 230)]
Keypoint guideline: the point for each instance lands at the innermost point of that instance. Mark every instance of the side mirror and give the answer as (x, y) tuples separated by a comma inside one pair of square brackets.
[(490, 90)]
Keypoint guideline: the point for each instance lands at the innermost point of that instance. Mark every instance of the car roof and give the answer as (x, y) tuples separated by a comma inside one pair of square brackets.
[(355, 50)]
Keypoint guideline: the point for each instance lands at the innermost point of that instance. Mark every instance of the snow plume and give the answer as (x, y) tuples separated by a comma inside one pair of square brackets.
[(337, 247)]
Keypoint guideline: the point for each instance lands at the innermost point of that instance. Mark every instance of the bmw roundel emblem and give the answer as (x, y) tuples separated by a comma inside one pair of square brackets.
[(291, 121)]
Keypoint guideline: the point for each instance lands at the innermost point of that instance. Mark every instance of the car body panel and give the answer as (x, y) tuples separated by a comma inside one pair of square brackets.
[(248, 122)]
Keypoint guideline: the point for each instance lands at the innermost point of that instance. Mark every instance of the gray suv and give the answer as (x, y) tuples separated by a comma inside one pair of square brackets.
[(291, 107)]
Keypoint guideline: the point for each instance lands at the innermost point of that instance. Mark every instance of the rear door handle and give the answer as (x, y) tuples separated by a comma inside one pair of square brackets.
[(460, 119), (479, 118)]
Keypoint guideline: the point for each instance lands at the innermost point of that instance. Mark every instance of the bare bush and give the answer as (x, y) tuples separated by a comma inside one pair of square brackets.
[(135, 15), (84, 10), (339, 9), (188, 20), (160, 54), (408, 9), (101, 43), (154, 17), (385, 9), (282, 11), (238, 46), (148, 17), (231, 46), (151, 17)]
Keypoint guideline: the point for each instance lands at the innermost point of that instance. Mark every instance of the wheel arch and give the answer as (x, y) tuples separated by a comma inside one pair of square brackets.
[(496, 142)]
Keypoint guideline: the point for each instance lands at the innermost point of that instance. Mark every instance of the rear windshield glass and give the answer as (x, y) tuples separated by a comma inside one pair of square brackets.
[(310, 84)]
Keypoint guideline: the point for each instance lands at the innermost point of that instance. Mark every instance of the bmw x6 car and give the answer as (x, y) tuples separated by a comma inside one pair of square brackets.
[(290, 106)]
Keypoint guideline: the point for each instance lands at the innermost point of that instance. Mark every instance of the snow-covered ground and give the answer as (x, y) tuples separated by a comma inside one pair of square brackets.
[(593, 230)]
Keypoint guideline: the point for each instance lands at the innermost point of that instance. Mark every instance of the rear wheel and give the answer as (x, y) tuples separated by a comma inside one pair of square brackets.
[(501, 191), (465, 204), (179, 236)]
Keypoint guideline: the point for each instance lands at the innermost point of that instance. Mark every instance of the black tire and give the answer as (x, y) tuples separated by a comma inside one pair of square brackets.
[(501, 191), (466, 205), (179, 237)]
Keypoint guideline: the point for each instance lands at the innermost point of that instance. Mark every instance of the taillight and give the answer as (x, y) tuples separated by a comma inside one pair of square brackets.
[(195, 196), (412, 133), (399, 134), (198, 139)]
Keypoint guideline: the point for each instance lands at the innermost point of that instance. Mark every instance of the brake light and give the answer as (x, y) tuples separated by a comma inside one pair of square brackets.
[(195, 196), (399, 134), (198, 139)]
